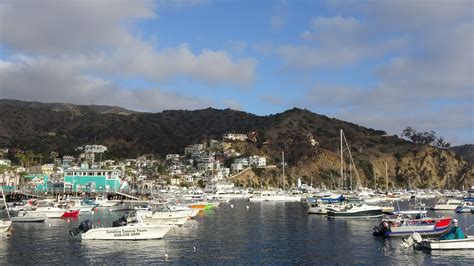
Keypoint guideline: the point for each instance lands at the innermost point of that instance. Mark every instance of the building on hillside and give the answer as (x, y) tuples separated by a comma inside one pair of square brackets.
[(235, 137), (47, 169), (193, 148), (237, 167), (92, 180), (225, 171), (5, 162), (257, 161), (243, 161), (172, 157), (68, 161)]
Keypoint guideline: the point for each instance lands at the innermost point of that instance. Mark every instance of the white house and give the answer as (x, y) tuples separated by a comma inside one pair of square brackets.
[(172, 157), (194, 148), (243, 161), (257, 161), (232, 136), (236, 167), (5, 162)]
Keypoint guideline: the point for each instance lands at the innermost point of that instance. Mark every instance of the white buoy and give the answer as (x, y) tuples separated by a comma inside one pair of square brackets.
[(194, 249), (166, 256), (247, 207), (232, 205)]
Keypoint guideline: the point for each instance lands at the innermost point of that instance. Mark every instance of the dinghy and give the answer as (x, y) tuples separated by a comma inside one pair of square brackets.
[(417, 242)]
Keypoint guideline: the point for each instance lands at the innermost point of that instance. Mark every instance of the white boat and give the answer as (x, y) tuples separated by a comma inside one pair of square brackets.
[(356, 212), (102, 201), (433, 244), (322, 208), (273, 196), (465, 207), (167, 221), (29, 217), (466, 243), (165, 217), (449, 205), (131, 228), (48, 212)]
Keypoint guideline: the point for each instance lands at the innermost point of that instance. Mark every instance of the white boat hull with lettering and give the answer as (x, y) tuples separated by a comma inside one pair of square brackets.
[(141, 232)]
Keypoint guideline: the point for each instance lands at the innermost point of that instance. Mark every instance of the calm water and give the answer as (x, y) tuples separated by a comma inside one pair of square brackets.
[(266, 233)]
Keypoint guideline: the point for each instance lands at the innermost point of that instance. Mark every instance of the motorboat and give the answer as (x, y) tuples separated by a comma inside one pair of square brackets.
[(447, 205), (431, 244), (48, 211), (465, 207), (322, 207), (405, 223), (356, 212), (28, 217), (418, 242), (102, 201), (128, 227), (165, 216), (273, 196)]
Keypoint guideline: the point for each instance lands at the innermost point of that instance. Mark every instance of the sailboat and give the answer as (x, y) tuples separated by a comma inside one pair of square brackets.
[(5, 225)]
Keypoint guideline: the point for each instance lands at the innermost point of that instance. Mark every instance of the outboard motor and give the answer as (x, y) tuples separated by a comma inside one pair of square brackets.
[(120, 222), (82, 228)]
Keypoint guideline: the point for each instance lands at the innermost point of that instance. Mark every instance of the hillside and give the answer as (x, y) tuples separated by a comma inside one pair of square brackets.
[(466, 152), (63, 127)]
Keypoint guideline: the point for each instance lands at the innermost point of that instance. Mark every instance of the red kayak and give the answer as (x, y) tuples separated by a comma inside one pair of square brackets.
[(71, 214)]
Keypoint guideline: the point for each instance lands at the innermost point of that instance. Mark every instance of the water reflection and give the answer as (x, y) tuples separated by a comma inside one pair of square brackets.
[(265, 233)]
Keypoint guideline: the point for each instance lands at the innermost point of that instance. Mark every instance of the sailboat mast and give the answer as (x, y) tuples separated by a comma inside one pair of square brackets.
[(342, 166), (386, 176), (283, 166)]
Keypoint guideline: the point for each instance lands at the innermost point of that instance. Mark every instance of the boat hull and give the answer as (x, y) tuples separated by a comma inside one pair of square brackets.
[(355, 215), (454, 244), (165, 221), (422, 227), (141, 232)]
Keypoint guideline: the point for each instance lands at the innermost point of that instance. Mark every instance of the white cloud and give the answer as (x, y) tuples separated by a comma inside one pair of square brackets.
[(100, 37), (45, 81), (335, 42)]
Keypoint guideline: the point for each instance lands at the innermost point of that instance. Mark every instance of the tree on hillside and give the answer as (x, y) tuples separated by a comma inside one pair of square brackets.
[(425, 138)]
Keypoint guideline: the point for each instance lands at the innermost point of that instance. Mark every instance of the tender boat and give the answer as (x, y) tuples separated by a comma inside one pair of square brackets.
[(125, 228), (449, 205), (465, 207), (466, 243), (403, 224), (274, 196), (434, 244), (28, 217), (49, 212), (104, 202), (356, 212)]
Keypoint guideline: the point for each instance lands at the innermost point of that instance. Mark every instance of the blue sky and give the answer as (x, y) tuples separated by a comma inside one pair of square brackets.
[(382, 64)]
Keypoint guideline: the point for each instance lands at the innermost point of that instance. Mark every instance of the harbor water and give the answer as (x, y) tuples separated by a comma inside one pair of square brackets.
[(263, 233)]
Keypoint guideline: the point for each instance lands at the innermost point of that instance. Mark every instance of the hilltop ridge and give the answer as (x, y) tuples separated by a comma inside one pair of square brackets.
[(310, 140)]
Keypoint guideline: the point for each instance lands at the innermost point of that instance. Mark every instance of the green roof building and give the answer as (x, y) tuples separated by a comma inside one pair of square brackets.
[(92, 180)]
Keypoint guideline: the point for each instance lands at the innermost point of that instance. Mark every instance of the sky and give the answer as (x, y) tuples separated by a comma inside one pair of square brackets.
[(384, 64)]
